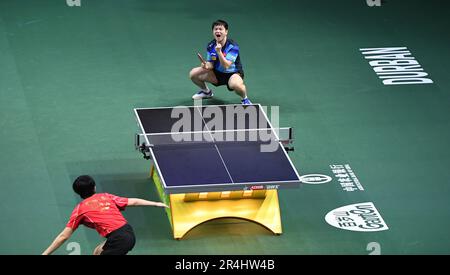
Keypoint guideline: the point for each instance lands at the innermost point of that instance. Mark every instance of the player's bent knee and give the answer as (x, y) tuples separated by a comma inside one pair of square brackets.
[(99, 249), (193, 73), (198, 74)]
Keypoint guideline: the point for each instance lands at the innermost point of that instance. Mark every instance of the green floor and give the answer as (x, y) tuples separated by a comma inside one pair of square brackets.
[(71, 76)]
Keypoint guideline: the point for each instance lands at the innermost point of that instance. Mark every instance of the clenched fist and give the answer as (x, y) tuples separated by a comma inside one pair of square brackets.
[(218, 48)]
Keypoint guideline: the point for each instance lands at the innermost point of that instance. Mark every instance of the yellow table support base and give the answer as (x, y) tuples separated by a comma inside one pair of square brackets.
[(192, 209), (188, 214)]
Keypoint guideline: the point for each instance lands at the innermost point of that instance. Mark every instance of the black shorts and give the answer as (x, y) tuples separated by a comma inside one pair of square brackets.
[(222, 78), (120, 241)]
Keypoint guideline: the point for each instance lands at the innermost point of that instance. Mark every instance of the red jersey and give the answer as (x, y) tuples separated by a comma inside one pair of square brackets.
[(99, 211)]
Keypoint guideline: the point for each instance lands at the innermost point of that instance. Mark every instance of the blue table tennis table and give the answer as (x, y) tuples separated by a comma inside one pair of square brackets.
[(216, 161)]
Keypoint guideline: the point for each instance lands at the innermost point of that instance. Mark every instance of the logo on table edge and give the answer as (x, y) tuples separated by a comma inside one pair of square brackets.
[(262, 187), (362, 217), (315, 179), (272, 187)]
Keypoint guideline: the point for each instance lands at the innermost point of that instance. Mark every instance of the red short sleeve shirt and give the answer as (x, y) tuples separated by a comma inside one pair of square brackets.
[(101, 212)]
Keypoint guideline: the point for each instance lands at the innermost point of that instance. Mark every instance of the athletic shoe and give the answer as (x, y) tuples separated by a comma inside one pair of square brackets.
[(201, 94), (246, 101)]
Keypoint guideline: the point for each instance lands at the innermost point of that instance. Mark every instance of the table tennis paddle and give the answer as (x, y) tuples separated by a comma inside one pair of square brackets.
[(201, 58)]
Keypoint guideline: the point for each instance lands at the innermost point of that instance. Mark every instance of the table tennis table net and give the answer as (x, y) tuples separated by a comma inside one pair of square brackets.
[(213, 136)]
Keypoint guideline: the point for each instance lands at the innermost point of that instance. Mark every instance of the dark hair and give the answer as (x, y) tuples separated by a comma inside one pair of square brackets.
[(219, 22), (84, 186)]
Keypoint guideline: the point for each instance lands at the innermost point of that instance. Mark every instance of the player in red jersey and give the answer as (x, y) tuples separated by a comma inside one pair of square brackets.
[(102, 213)]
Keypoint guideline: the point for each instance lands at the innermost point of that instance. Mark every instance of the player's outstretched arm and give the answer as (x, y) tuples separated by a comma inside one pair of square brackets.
[(141, 202), (59, 240)]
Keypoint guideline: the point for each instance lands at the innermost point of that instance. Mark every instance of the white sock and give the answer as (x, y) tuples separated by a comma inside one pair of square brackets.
[(207, 90)]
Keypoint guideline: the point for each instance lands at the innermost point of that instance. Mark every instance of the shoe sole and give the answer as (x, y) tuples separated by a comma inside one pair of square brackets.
[(203, 97)]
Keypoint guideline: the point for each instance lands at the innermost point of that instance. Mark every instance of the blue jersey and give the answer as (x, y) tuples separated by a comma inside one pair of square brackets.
[(230, 51)]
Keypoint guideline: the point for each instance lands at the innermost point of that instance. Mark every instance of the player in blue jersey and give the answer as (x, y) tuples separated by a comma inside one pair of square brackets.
[(221, 67)]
